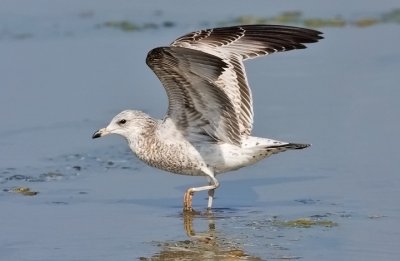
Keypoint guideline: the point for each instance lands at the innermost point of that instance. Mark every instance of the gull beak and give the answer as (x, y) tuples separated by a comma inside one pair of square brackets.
[(100, 133)]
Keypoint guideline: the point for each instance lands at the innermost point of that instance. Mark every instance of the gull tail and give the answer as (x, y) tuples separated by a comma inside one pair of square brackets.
[(255, 149), (259, 148)]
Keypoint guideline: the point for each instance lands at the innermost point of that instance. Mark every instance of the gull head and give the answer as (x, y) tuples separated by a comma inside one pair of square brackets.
[(127, 124)]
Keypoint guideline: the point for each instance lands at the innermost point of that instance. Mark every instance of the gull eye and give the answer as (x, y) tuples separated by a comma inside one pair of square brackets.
[(121, 122)]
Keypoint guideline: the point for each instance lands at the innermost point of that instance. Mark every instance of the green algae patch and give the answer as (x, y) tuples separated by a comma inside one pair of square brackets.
[(297, 18), (392, 16), (305, 223), (366, 22), (24, 191), (125, 26), (319, 22), (291, 17)]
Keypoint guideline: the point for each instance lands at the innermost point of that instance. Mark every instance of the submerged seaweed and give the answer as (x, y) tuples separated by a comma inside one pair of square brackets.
[(305, 223), (294, 17), (122, 25), (392, 16), (128, 26), (23, 191), (297, 18)]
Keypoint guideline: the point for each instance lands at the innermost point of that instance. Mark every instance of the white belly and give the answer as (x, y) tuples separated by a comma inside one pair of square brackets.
[(227, 157)]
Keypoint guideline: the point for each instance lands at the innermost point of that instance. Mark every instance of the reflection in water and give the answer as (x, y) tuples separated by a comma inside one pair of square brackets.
[(207, 245), (253, 229)]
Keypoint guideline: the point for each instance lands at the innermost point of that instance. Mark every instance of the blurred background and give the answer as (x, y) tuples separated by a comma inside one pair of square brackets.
[(67, 67)]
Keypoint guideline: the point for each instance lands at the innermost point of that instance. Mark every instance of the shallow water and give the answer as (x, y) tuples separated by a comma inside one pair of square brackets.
[(63, 76)]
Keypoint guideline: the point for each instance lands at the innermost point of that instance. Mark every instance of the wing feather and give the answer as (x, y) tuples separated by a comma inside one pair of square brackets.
[(196, 104), (205, 79), (238, 43)]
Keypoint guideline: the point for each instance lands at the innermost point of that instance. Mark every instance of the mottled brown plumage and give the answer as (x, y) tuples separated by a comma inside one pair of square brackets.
[(207, 128)]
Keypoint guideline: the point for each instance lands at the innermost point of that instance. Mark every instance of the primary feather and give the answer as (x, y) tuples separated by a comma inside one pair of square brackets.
[(205, 79)]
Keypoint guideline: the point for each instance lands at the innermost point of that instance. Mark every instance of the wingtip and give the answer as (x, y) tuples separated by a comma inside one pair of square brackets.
[(299, 146), (296, 146)]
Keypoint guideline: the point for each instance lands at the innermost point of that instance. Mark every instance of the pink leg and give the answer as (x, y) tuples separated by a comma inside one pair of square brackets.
[(187, 200), (188, 196)]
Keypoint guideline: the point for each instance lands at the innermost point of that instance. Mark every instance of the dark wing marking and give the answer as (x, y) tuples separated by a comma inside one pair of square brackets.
[(249, 41), (237, 43), (196, 104)]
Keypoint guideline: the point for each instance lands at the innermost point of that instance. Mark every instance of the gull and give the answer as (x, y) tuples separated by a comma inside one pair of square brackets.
[(207, 128)]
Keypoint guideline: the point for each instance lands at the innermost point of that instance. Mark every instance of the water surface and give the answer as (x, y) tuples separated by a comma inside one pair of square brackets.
[(63, 76)]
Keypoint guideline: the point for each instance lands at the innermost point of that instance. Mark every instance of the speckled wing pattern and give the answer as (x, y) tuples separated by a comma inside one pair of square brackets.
[(196, 104), (205, 79)]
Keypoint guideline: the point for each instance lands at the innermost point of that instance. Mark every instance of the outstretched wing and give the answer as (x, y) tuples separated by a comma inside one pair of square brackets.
[(205, 80), (196, 104), (237, 43)]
